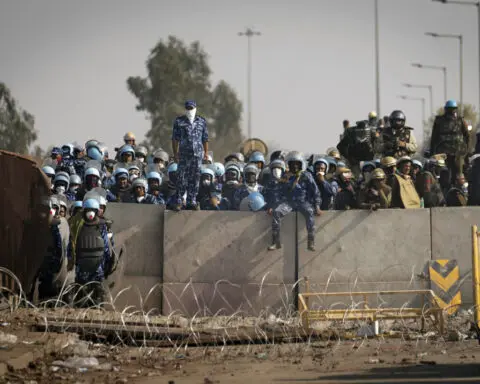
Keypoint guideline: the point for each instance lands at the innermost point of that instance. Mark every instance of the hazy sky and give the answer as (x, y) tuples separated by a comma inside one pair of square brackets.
[(66, 61)]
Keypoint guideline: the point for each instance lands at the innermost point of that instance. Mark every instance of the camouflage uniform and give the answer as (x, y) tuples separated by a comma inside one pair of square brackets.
[(190, 137), (388, 145), (450, 136)]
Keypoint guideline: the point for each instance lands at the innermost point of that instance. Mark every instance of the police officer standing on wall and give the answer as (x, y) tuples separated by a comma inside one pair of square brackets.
[(450, 136), (190, 147)]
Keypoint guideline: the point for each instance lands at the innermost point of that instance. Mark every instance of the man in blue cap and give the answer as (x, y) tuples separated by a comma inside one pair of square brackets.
[(190, 147)]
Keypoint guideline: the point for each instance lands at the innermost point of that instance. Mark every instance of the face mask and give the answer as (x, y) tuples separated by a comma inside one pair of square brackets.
[(206, 182), (60, 189), (252, 188), (90, 215), (190, 113), (140, 199), (276, 173), (74, 189), (52, 212), (232, 182), (322, 173)]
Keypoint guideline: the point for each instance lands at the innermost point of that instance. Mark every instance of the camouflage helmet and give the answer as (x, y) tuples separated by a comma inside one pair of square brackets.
[(388, 161), (378, 174), (439, 160), (334, 152)]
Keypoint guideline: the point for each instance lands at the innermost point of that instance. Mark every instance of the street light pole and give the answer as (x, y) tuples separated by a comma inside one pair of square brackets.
[(461, 75), (377, 60), (249, 33), (437, 67), (430, 89), (460, 39)]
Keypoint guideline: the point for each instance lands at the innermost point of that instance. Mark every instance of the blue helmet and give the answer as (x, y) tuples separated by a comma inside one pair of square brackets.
[(219, 169), (368, 164), (251, 168), (62, 176), (378, 163), (172, 168), (278, 163), (256, 157), (49, 171), (120, 172), (154, 175), (92, 172), (208, 171), (322, 160), (95, 153), (75, 180), (253, 202), (67, 150), (91, 204), (451, 104), (127, 149), (56, 151), (140, 182), (417, 163)]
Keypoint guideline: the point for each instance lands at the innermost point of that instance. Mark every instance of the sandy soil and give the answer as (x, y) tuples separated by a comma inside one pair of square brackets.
[(36, 357)]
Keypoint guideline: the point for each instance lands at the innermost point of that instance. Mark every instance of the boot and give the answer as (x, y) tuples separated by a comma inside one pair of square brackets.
[(311, 243), (177, 207), (275, 243)]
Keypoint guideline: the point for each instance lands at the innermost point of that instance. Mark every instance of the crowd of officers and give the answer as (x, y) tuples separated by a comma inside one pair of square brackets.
[(374, 166)]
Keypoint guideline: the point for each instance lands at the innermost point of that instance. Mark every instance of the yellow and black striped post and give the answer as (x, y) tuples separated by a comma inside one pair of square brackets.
[(475, 274), (445, 283)]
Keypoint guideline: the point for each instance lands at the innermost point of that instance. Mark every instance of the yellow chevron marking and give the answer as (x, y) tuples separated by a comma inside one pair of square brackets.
[(451, 307), (447, 282), (442, 262)]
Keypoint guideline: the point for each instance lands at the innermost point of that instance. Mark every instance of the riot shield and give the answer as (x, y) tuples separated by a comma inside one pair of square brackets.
[(251, 145)]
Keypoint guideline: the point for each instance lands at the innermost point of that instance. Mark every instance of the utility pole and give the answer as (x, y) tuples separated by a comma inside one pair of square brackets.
[(249, 33), (377, 60)]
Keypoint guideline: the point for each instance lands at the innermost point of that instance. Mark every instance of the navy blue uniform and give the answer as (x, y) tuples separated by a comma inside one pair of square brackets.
[(190, 137), (299, 193)]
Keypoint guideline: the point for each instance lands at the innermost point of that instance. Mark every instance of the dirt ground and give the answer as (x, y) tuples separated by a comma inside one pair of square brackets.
[(31, 357)]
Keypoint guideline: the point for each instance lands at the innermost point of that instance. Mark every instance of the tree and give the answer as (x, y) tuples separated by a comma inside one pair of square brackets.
[(225, 130), (470, 115), (17, 130), (177, 72)]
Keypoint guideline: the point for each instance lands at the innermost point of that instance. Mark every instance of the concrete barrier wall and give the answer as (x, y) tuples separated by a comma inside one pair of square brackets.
[(138, 229), (452, 239), (219, 262), (216, 262), (366, 251)]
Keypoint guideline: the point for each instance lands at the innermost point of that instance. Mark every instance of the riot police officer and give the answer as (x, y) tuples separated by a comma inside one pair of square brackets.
[(450, 136), (397, 139)]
